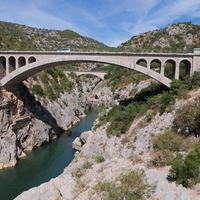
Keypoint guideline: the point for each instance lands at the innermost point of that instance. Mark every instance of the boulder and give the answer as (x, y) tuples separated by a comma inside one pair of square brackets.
[(84, 136), (76, 144)]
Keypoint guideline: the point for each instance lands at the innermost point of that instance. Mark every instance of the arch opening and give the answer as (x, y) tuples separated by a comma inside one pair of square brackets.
[(170, 68), (142, 62), (21, 61), (155, 65), (184, 69), (12, 64), (2, 67), (31, 59)]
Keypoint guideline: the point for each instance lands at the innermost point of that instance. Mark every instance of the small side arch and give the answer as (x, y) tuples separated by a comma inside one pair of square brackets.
[(12, 64), (141, 62), (185, 69), (2, 67), (21, 61), (170, 68), (31, 59), (155, 65)]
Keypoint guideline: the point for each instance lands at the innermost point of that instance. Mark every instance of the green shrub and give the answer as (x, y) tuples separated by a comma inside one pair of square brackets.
[(166, 145), (37, 89), (185, 171), (187, 117), (99, 158), (132, 186), (87, 165)]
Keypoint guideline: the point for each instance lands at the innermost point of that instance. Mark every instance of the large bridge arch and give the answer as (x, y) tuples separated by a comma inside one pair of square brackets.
[(30, 69)]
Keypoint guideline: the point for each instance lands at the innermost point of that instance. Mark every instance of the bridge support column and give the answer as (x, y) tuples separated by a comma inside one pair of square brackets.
[(7, 66), (191, 70), (148, 66), (176, 75), (17, 65), (162, 70)]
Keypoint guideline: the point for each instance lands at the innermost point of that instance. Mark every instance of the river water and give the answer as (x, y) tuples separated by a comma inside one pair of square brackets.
[(44, 162)]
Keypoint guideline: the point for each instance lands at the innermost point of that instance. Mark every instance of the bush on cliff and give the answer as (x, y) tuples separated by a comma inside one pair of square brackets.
[(37, 89), (166, 145), (185, 171), (187, 118), (131, 185)]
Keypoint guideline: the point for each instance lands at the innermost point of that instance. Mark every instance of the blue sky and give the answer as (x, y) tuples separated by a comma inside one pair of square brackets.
[(109, 21)]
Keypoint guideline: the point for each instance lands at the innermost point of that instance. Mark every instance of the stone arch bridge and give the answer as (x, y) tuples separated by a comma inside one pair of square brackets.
[(16, 66), (98, 74)]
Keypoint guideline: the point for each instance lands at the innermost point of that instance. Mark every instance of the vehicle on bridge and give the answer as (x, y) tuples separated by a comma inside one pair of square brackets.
[(64, 50)]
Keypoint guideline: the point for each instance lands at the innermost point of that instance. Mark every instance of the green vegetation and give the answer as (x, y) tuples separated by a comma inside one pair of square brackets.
[(132, 186), (99, 158), (54, 82), (37, 89), (155, 98), (187, 117), (120, 77), (81, 171), (20, 37), (166, 145), (150, 41), (185, 170)]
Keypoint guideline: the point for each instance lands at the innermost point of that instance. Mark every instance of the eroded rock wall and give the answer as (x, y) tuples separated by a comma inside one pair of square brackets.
[(19, 129)]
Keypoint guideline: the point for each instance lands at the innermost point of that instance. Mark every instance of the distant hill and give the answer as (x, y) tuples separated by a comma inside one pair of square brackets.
[(171, 39), (20, 37)]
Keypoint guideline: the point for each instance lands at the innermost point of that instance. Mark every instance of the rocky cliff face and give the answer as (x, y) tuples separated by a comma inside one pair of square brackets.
[(27, 122), (20, 130)]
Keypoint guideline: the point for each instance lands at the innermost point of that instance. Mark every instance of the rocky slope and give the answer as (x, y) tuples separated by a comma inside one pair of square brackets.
[(170, 39), (130, 151), (20, 37)]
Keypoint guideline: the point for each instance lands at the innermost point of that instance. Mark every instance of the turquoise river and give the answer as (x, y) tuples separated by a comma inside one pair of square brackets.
[(44, 162)]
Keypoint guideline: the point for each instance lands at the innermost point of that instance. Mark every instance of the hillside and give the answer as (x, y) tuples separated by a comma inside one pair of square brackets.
[(21, 37), (171, 39)]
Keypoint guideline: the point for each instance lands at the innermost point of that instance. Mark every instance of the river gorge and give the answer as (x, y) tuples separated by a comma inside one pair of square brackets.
[(75, 178), (44, 162)]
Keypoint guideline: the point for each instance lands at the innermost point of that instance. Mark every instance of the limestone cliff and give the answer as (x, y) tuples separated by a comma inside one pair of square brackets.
[(20, 130)]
